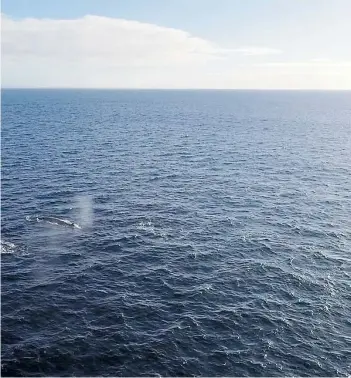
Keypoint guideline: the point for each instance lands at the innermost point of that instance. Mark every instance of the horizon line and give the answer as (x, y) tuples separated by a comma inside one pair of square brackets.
[(181, 89)]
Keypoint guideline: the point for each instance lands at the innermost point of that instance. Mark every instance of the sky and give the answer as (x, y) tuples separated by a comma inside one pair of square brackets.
[(219, 44)]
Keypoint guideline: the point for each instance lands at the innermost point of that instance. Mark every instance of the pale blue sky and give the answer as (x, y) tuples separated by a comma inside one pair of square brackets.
[(274, 43)]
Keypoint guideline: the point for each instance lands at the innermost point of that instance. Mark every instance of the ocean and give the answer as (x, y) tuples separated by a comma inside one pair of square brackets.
[(175, 233)]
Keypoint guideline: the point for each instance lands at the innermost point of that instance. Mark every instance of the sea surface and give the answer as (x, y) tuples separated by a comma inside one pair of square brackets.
[(210, 234)]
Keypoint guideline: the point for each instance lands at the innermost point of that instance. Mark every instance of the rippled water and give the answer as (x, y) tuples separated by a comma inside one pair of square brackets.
[(214, 237)]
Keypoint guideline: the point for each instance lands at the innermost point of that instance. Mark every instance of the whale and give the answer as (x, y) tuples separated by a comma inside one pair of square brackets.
[(61, 222), (54, 220)]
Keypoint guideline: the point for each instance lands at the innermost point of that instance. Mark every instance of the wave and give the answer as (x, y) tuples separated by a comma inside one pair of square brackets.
[(150, 228)]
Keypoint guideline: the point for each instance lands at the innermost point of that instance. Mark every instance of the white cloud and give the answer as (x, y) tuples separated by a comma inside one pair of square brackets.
[(102, 51), (105, 52), (116, 42)]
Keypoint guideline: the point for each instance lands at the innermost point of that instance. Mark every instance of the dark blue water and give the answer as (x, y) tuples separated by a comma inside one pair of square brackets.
[(214, 239)]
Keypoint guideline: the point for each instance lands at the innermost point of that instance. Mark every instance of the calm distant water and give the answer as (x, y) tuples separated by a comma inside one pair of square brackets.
[(214, 239)]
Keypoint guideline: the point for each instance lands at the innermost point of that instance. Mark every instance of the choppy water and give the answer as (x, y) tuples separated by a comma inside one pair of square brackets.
[(214, 239)]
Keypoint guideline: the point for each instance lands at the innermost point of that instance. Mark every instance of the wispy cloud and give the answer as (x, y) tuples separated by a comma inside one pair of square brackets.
[(314, 63), (255, 50)]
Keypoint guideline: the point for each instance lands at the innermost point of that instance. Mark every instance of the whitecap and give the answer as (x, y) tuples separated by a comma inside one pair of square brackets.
[(7, 247)]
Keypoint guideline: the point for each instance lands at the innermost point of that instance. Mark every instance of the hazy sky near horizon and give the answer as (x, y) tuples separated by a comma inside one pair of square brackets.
[(263, 44)]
